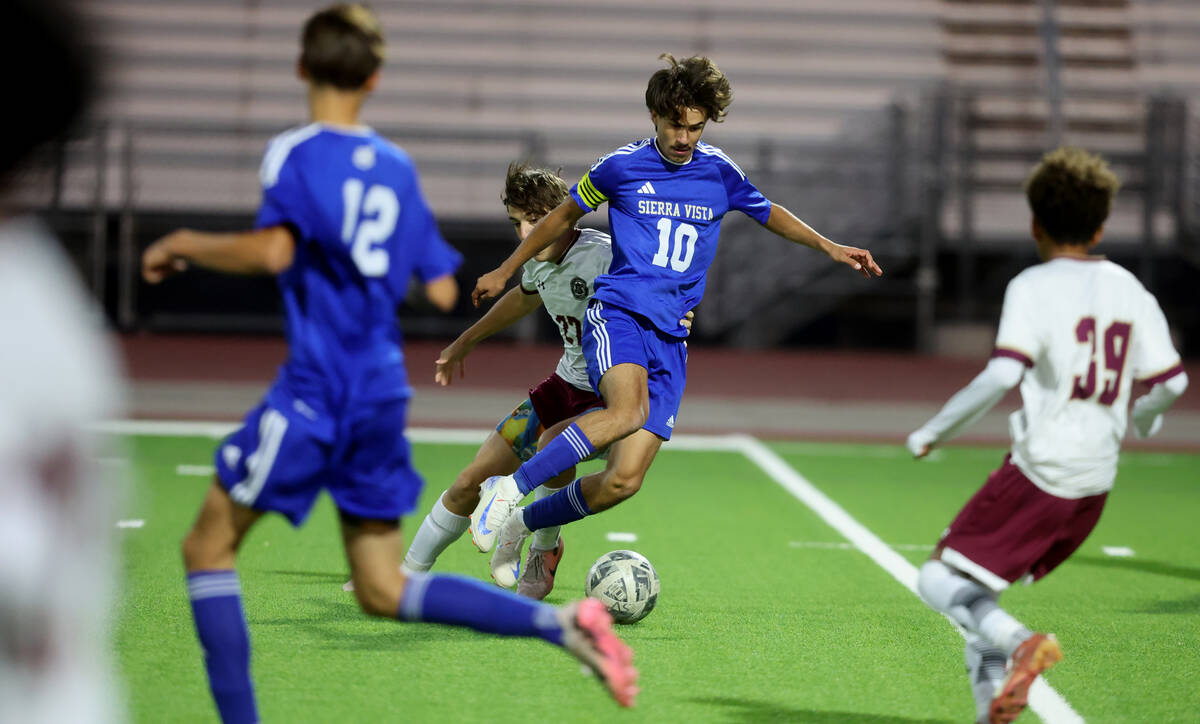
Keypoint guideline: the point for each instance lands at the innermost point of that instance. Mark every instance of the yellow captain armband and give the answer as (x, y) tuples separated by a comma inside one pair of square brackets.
[(588, 192)]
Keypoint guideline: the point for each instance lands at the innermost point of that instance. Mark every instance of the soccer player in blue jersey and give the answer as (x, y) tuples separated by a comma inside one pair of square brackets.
[(666, 197), (343, 226)]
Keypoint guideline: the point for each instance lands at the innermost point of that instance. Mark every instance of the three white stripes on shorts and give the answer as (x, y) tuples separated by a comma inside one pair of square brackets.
[(600, 334)]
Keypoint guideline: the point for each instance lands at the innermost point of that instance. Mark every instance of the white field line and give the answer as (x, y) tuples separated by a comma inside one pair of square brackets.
[(1047, 703), (1043, 699)]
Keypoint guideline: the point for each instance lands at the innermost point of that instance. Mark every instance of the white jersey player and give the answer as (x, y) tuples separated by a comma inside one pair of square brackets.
[(560, 279), (57, 520), (1076, 331)]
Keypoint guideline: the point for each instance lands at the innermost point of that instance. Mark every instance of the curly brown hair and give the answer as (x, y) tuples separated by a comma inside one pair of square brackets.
[(1070, 193), (342, 46), (695, 82), (534, 191)]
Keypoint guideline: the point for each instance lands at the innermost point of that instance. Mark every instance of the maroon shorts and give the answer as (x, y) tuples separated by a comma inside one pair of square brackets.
[(1012, 528), (554, 400)]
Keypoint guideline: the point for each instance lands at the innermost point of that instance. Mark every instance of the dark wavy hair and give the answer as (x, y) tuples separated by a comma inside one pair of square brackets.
[(695, 82), (1070, 193), (534, 191)]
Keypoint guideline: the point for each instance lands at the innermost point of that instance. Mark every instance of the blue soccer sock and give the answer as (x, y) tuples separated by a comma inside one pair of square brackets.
[(462, 601), (565, 506), (221, 626), (562, 453)]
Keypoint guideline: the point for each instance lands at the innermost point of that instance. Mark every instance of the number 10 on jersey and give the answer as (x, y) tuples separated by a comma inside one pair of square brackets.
[(680, 254), (368, 220)]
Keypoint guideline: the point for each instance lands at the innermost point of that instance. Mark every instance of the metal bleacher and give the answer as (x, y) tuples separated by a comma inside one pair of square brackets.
[(903, 125), (470, 84)]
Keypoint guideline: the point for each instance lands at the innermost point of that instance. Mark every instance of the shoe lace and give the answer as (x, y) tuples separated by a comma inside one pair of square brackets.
[(536, 568)]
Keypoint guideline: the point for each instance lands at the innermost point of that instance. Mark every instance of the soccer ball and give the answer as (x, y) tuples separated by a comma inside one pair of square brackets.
[(625, 583)]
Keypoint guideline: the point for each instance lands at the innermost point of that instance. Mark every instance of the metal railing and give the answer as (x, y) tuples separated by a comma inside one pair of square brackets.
[(905, 181)]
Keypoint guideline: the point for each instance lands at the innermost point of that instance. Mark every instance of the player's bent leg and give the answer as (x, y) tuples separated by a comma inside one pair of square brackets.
[(214, 538), (209, 551), (622, 477), (494, 457), (448, 519), (625, 392), (546, 545), (582, 629)]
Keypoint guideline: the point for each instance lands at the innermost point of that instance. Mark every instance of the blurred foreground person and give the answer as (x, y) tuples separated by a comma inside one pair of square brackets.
[(59, 376)]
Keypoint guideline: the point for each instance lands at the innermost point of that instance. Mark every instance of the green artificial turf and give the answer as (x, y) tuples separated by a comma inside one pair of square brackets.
[(758, 619)]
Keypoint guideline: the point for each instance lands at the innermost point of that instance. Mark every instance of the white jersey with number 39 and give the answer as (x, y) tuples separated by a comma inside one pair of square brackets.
[(566, 285), (1086, 329)]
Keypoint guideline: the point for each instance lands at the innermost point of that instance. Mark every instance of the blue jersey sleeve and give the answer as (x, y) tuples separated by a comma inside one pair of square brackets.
[(600, 182), (743, 195), (432, 257), (283, 201)]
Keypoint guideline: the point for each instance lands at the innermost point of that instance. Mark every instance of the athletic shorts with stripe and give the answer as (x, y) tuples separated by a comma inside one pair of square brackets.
[(286, 452), (550, 402), (613, 336), (1011, 529)]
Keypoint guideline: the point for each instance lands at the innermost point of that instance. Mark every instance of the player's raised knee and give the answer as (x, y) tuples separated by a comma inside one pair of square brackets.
[(200, 553), (621, 486), (379, 597), (629, 419)]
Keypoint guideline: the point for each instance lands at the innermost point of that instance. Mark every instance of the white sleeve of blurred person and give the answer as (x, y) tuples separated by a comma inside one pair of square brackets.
[(57, 519), (968, 404)]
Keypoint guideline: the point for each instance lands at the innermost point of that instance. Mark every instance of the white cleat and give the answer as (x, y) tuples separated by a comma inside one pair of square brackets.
[(506, 560), (497, 497)]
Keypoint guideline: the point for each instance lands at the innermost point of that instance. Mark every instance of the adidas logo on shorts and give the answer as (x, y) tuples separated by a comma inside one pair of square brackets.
[(671, 422)]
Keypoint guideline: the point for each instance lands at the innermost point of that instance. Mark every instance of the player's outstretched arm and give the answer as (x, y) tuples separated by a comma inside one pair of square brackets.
[(262, 251), (553, 225), (967, 405), (442, 292), (785, 224), (511, 307)]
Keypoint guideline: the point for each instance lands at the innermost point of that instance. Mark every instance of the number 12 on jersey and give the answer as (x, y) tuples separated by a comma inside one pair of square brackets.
[(681, 253), (368, 221)]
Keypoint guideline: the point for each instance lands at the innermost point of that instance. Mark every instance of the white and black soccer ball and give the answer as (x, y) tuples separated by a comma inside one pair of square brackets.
[(625, 583)]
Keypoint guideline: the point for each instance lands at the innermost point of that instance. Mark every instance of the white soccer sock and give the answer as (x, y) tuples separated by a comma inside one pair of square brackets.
[(973, 606), (545, 539), (439, 529), (985, 671), (1004, 631)]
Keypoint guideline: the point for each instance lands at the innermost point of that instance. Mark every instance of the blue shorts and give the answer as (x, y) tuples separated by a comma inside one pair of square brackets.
[(286, 452), (613, 336)]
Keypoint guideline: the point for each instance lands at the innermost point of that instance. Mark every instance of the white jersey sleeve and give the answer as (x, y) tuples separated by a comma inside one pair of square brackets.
[(1018, 336), (1153, 357), (566, 286)]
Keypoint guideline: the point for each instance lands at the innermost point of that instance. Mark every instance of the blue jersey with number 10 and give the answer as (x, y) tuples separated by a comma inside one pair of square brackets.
[(362, 231), (665, 221)]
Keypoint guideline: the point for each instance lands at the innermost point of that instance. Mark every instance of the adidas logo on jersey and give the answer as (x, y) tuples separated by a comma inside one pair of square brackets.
[(647, 188)]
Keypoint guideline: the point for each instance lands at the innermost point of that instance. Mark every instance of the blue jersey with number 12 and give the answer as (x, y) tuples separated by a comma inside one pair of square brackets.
[(665, 220), (362, 231)]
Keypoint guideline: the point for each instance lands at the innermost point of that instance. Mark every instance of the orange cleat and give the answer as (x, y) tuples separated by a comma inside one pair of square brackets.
[(1035, 654)]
